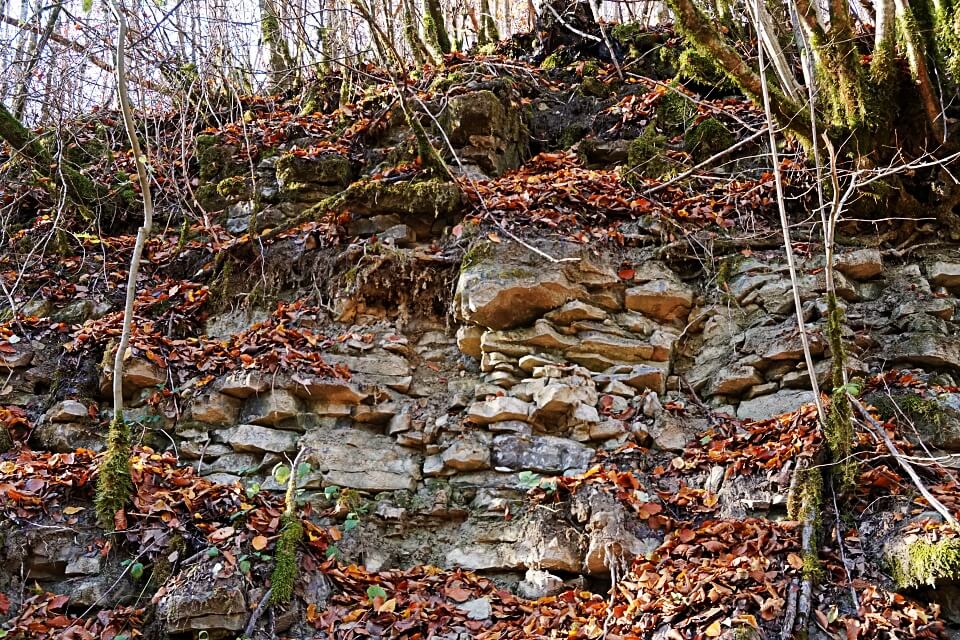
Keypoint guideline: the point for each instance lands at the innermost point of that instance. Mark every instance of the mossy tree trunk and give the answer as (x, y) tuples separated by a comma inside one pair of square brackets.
[(915, 50), (488, 26), (435, 30), (417, 47), (700, 31), (273, 37), (855, 99)]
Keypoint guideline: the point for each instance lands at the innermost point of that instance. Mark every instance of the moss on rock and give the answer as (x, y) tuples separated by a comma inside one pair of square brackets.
[(646, 157), (675, 112), (706, 138), (923, 562), (419, 197), (328, 169), (479, 252)]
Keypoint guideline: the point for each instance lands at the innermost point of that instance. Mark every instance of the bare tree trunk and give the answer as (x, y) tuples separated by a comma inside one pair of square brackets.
[(20, 99), (768, 36)]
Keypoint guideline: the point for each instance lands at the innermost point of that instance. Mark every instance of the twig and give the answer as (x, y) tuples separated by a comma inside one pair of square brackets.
[(790, 615), (570, 27), (706, 162), (788, 245), (843, 556), (255, 616), (606, 40), (878, 429), (711, 418)]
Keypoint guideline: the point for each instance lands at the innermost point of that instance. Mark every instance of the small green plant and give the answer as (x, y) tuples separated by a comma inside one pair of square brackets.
[(352, 521), (136, 568), (530, 480), (375, 591)]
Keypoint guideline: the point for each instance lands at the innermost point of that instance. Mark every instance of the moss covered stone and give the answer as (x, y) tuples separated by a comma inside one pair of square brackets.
[(234, 188), (706, 138), (675, 112), (935, 418), (6, 440), (922, 562), (694, 66), (647, 158), (479, 252), (420, 197), (328, 169)]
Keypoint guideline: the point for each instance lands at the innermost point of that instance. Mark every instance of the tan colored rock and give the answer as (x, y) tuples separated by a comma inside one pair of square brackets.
[(271, 408), (663, 343), (140, 374), (467, 453), (573, 311), (468, 340), (498, 410), (861, 264), (614, 347), (251, 438), (331, 390), (734, 379), (68, 411), (359, 460), (607, 429), (21, 356), (242, 383), (664, 300), (215, 408), (944, 274), (560, 398)]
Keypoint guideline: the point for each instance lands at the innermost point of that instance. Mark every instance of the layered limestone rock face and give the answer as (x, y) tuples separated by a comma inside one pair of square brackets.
[(442, 427)]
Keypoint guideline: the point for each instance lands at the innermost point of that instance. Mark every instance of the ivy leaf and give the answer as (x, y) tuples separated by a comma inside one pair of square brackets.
[(281, 473), (136, 570), (351, 522), (331, 492), (303, 469), (529, 479), (376, 591)]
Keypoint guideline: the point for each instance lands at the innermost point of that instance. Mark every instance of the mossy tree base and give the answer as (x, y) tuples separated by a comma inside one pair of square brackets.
[(114, 484), (284, 576)]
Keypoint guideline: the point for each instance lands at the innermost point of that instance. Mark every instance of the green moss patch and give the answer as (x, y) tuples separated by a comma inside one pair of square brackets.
[(924, 563)]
